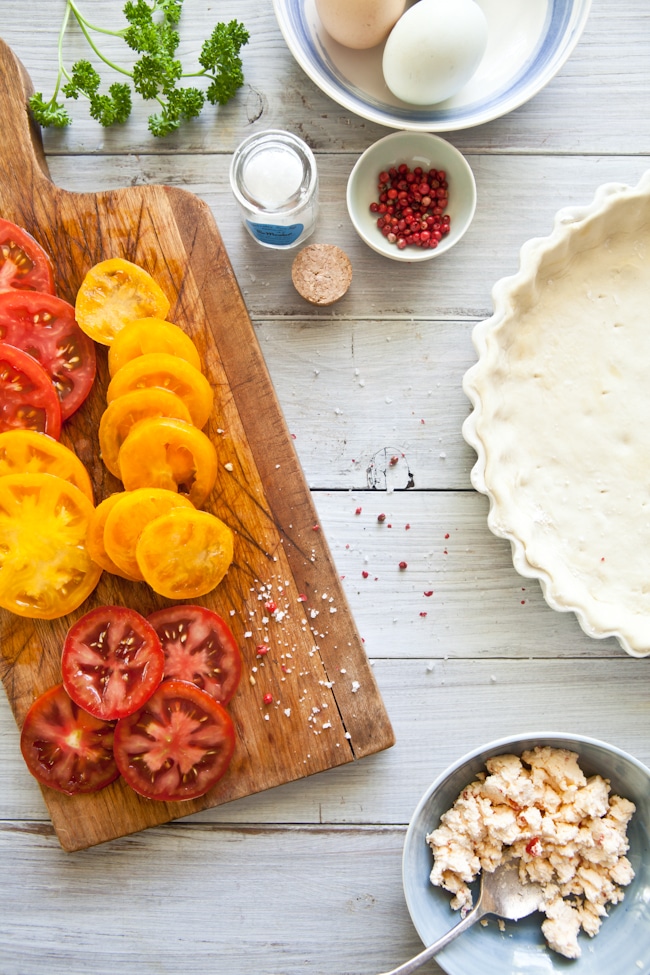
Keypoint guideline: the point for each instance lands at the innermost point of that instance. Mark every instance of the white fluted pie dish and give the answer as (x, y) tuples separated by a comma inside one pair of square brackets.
[(561, 401)]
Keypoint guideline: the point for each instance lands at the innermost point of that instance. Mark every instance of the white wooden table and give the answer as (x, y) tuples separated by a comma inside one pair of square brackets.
[(306, 879)]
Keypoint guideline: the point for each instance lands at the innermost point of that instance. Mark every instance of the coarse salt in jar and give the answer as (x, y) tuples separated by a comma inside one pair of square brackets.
[(274, 180)]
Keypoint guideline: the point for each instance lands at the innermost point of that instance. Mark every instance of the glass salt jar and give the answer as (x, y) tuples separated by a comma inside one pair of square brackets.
[(275, 182)]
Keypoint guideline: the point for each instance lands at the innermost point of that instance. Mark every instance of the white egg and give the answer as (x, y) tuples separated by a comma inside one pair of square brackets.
[(434, 49)]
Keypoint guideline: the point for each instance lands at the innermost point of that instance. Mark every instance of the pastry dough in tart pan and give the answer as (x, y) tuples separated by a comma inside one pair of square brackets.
[(561, 413)]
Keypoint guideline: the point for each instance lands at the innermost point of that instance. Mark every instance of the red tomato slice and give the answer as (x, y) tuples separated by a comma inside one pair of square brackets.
[(28, 400), (112, 662), (45, 327), (177, 746), (23, 262), (199, 647), (66, 748)]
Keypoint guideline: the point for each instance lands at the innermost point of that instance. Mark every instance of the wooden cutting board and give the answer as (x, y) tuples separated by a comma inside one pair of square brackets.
[(327, 710)]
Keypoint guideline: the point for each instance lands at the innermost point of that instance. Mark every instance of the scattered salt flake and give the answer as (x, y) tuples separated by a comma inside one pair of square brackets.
[(229, 466), (287, 711), (430, 666), (348, 735), (443, 455), (328, 724), (333, 609), (232, 612), (355, 686), (266, 717), (248, 633)]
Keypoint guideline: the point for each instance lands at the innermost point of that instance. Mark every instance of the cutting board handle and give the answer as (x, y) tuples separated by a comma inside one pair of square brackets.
[(22, 158)]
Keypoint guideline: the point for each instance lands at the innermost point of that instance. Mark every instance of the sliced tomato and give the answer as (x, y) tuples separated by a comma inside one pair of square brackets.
[(160, 370), (30, 452), (184, 553), (95, 538), (23, 262), (45, 327), (28, 399), (120, 415), (177, 746), (126, 518), (45, 568), (164, 452), (199, 647), (66, 748), (113, 293), (144, 335), (112, 661)]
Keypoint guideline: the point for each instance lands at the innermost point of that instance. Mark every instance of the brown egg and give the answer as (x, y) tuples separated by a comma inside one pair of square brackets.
[(359, 23)]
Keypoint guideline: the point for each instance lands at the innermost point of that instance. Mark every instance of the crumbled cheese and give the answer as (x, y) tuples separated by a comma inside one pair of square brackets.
[(567, 831)]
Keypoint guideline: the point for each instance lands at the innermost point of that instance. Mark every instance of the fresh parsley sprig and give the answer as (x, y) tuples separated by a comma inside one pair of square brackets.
[(151, 33)]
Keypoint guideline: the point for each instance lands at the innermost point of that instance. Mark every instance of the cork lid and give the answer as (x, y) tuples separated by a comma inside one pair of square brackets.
[(321, 273)]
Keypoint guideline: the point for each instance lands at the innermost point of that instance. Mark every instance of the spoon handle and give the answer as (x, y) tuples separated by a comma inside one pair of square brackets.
[(433, 949)]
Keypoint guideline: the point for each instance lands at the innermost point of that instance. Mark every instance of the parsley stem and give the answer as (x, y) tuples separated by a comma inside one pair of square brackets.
[(86, 28), (62, 73)]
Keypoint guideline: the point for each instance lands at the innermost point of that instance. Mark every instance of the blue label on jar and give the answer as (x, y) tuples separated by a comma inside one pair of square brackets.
[(271, 233)]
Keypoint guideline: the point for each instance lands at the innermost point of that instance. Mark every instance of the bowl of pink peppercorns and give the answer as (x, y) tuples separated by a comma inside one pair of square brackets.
[(411, 196)]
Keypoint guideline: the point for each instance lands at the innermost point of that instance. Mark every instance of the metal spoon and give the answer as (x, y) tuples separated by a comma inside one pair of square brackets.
[(502, 893)]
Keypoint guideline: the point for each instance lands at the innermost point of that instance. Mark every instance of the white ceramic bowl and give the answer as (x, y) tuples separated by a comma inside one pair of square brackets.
[(414, 149), (520, 949), (560, 399), (529, 41)]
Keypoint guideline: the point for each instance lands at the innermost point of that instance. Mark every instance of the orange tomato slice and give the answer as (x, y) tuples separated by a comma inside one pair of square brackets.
[(127, 518), (159, 370), (31, 452), (128, 409), (45, 568), (167, 453), (184, 553), (95, 538), (145, 335), (113, 293)]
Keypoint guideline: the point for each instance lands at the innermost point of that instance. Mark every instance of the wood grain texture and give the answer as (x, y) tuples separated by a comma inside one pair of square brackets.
[(279, 548)]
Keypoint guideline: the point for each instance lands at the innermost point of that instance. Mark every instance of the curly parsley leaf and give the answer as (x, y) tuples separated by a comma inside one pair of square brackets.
[(151, 33), (50, 113)]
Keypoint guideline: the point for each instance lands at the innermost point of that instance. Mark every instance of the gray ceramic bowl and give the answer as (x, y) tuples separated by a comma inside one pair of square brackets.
[(621, 947), (414, 149)]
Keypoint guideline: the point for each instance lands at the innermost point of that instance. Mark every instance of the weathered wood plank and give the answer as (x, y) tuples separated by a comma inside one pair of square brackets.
[(441, 709), (518, 197), (591, 106)]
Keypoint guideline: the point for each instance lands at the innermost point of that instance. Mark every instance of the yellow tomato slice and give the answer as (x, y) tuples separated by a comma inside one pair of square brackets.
[(113, 293), (127, 518), (31, 452), (120, 415), (144, 335), (45, 568), (167, 453), (95, 538), (163, 371), (185, 553)]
